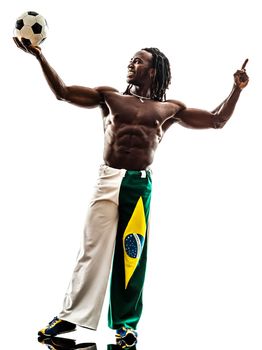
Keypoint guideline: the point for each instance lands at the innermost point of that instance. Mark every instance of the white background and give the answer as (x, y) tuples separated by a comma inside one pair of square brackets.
[(203, 287)]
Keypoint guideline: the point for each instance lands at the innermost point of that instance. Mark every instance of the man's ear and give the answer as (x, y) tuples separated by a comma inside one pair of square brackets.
[(152, 73)]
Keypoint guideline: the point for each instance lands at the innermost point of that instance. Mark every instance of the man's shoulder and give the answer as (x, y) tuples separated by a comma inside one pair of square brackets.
[(177, 103), (105, 89)]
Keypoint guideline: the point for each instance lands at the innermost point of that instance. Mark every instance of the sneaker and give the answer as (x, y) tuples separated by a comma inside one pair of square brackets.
[(57, 343), (57, 326), (126, 337)]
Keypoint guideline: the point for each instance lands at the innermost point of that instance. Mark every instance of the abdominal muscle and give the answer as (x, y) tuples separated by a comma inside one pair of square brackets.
[(130, 147)]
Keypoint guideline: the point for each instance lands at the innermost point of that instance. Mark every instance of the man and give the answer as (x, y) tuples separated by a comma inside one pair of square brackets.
[(134, 124)]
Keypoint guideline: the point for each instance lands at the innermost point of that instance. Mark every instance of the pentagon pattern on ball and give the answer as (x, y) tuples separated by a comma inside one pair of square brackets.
[(31, 28)]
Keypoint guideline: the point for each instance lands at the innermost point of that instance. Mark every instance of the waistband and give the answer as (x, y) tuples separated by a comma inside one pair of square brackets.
[(140, 173)]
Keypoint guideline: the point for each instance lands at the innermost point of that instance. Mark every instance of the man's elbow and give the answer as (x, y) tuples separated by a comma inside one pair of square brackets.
[(61, 93), (219, 125), (60, 98), (218, 122)]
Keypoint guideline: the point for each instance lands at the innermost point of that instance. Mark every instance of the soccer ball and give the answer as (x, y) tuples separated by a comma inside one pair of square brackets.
[(31, 28)]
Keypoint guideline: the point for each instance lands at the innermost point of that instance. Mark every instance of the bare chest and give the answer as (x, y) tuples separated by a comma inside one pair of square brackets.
[(130, 110)]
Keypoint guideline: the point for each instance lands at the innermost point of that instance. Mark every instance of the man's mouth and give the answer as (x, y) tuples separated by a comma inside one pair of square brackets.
[(130, 72)]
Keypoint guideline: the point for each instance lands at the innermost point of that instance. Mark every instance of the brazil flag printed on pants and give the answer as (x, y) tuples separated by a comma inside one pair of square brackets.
[(129, 264), (133, 239)]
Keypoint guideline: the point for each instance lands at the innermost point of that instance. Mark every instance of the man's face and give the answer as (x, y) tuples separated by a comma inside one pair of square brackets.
[(140, 68)]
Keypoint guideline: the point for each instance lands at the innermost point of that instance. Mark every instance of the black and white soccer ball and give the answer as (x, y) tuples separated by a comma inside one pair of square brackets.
[(31, 28)]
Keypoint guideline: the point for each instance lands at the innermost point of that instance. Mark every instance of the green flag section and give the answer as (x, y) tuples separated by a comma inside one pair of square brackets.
[(130, 254)]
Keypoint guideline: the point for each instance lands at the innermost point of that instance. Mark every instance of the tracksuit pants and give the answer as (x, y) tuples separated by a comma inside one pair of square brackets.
[(115, 239)]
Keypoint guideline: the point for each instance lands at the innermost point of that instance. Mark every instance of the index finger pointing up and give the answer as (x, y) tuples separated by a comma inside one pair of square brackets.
[(244, 64)]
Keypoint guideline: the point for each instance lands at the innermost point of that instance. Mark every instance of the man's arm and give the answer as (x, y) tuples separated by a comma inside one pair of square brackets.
[(78, 95), (200, 119)]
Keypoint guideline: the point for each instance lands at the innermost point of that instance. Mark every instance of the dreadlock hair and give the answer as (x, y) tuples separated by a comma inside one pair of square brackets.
[(162, 78)]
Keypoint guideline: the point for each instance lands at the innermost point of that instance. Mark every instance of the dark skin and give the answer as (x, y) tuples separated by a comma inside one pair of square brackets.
[(134, 127)]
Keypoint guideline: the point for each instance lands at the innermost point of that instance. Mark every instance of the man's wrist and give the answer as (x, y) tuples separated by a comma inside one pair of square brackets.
[(39, 56), (236, 87)]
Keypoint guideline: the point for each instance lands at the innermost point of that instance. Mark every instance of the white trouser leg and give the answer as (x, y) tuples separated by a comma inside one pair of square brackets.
[(84, 298)]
